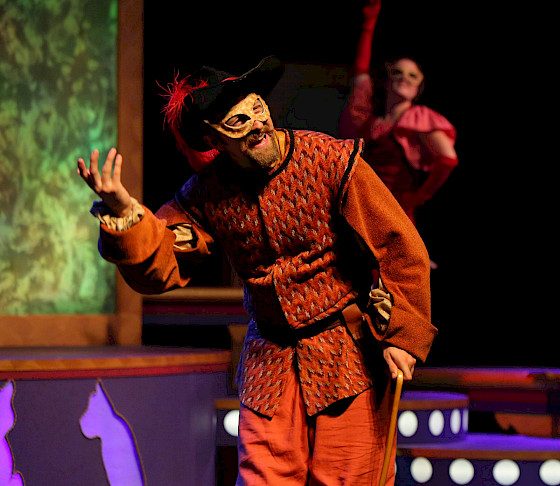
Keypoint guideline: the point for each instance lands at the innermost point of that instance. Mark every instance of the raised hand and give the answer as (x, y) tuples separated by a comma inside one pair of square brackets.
[(371, 12), (363, 53), (107, 185)]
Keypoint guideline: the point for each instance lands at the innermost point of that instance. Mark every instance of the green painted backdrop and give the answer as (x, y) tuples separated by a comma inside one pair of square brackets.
[(58, 101)]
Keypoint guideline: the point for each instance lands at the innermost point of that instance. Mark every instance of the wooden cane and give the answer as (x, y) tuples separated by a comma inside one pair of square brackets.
[(392, 428)]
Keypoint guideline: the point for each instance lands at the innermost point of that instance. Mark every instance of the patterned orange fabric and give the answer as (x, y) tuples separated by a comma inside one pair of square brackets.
[(262, 372), (330, 368), (280, 236), (329, 365)]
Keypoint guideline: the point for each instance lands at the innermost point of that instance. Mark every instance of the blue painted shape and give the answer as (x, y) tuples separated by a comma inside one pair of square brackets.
[(118, 446), (8, 476)]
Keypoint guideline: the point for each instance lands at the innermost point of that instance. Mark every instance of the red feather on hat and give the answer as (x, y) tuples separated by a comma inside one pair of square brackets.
[(176, 92)]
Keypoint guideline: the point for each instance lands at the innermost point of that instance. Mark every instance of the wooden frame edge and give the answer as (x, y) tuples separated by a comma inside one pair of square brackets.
[(125, 326)]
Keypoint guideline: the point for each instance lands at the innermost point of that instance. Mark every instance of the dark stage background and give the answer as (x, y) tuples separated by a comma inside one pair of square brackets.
[(488, 228)]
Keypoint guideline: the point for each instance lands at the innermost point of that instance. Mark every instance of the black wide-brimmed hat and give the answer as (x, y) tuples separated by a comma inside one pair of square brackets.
[(209, 92)]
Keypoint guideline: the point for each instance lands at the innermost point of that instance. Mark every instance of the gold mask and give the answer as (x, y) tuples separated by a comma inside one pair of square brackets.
[(239, 120), (406, 71)]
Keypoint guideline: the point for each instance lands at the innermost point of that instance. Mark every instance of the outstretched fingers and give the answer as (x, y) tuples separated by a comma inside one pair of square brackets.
[(90, 175), (110, 176), (117, 169), (107, 170), (107, 184)]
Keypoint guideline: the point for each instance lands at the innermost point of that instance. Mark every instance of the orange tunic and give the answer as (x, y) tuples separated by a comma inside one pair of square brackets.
[(282, 236)]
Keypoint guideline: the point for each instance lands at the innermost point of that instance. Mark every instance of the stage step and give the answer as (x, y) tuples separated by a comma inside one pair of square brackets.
[(435, 447), (525, 400), (481, 460)]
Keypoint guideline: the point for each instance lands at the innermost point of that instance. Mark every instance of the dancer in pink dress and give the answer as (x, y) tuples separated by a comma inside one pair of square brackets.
[(410, 146)]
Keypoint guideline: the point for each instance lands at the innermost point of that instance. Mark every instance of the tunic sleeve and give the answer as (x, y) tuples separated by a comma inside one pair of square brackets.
[(374, 214), (147, 255)]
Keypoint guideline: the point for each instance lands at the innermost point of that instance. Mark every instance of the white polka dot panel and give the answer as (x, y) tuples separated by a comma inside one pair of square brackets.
[(506, 472), (436, 423), (455, 421), (435, 471), (549, 472), (429, 426), (421, 470), (231, 422), (461, 471), (407, 423), (435, 448)]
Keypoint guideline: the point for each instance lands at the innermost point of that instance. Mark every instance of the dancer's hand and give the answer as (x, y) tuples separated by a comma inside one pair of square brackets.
[(371, 12), (108, 184), (397, 358)]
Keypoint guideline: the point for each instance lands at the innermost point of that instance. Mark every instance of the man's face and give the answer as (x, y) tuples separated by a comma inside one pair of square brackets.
[(247, 134)]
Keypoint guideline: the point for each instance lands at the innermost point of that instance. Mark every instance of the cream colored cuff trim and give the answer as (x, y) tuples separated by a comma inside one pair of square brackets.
[(382, 301), (102, 212), (185, 237)]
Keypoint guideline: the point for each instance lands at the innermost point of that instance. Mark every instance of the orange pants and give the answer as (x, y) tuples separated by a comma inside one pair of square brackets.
[(343, 445)]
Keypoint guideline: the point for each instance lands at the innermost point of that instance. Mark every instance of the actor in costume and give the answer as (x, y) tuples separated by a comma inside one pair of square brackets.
[(410, 146), (336, 277)]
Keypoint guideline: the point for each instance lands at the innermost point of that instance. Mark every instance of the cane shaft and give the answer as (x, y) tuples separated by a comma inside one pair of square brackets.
[(392, 428)]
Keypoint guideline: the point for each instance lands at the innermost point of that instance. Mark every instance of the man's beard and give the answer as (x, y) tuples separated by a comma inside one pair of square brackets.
[(263, 158)]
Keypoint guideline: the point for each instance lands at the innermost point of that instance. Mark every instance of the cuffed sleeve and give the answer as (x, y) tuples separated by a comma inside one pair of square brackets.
[(147, 255), (373, 213), (102, 212)]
